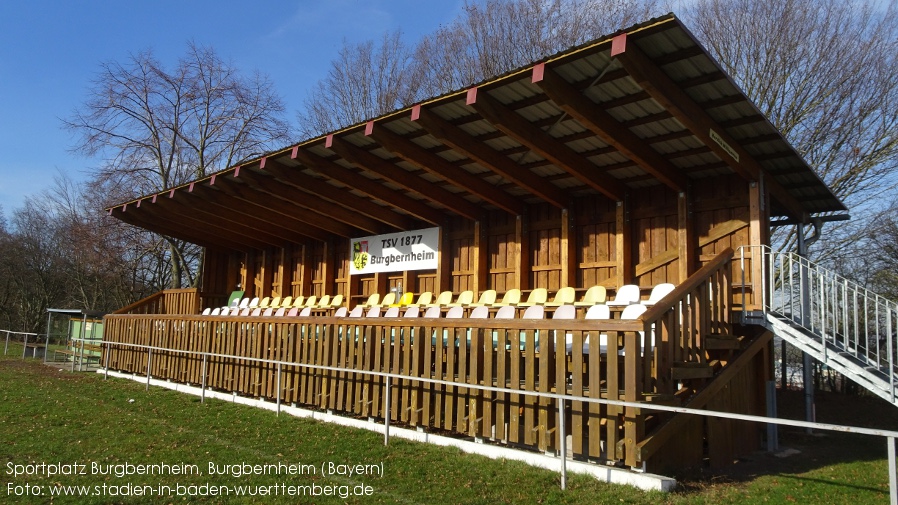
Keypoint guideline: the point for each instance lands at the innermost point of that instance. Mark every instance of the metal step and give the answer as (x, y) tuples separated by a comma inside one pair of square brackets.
[(867, 376)]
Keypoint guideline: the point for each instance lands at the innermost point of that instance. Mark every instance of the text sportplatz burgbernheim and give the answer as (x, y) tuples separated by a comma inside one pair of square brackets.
[(234, 470), (213, 473)]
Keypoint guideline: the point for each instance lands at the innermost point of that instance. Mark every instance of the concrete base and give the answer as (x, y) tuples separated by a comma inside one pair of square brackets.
[(611, 475)]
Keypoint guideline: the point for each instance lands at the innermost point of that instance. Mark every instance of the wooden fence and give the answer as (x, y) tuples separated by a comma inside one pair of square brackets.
[(636, 361)]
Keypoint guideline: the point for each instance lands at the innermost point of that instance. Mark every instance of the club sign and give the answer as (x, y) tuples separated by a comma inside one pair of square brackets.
[(392, 252)]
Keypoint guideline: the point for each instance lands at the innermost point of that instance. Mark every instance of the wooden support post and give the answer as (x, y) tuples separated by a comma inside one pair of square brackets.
[(481, 258), (328, 284), (568, 249), (249, 274), (444, 271), (686, 241), (624, 241), (286, 271), (267, 271), (306, 281), (757, 224), (522, 252)]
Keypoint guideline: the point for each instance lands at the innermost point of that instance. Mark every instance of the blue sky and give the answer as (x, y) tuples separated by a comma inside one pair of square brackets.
[(51, 50)]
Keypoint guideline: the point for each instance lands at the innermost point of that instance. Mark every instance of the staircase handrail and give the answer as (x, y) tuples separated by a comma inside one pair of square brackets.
[(845, 316)]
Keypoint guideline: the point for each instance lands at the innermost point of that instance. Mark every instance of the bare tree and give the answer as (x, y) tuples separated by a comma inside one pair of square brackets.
[(487, 39), (826, 74), (364, 81), (155, 128), (496, 36)]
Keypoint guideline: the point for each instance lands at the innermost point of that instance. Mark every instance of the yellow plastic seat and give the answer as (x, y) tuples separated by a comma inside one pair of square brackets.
[(594, 296)]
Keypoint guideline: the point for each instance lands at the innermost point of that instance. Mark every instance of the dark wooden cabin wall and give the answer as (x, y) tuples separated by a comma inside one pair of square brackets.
[(655, 221), (596, 248)]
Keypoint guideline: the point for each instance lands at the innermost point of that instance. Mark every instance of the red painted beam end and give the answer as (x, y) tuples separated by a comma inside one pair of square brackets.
[(125, 208), (539, 72), (171, 194), (329, 140), (189, 190), (618, 44), (237, 172), (212, 181), (154, 198), (138, 203), (369, 128), (416, 112), (294, 153), (471, 98)]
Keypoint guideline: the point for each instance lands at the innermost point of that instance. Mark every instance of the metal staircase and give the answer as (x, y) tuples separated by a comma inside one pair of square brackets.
[(844, 326)]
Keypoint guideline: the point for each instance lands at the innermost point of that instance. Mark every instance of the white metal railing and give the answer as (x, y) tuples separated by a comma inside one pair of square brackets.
[(846, 317), (561, 401)]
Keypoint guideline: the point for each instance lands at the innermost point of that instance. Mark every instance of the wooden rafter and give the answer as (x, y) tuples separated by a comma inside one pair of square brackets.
[(459, 140), (671, 97), (438, 166), (310, 210), (513, 125), (603, 124), (153, 222), (269, 208), (405, 179), (339, 196), (175, 212), (370, 187), (222, 204)]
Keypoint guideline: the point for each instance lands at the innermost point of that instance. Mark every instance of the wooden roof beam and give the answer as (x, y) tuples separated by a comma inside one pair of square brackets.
[(667, 93), (272, 210), (488, 157), (321, 189), (317, 207), (513, 125), (372, 188), (440, 167), (603, 124), (268, 222), (155, 224), (187, 218), (404, 178)]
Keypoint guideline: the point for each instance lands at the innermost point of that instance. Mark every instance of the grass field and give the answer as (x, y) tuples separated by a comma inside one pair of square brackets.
[(50, 416)]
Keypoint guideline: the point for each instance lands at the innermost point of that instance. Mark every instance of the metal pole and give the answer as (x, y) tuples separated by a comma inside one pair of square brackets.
[(279, 390), (149, 360), (24, 345), (804, 289), (772, 429), (893, 479), (561, 415), (6, 347), (203, 381), (387, 413), (47, 348), (105, 360), (83, 336)]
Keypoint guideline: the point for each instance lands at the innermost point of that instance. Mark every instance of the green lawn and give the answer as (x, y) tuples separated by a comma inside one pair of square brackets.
[(49, 416)]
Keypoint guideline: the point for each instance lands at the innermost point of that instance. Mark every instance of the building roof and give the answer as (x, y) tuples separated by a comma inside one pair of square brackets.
[(639, 108)]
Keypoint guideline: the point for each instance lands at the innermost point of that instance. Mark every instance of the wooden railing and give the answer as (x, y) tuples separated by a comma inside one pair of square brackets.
[(552, 356), (170, 301)]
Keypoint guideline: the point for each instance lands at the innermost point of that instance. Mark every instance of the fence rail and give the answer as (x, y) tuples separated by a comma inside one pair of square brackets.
[(560, 404)]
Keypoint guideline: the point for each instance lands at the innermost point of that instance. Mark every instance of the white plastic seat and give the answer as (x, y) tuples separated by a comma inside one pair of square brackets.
[(216, 311), (280, 312), (305, 312), (413, 311), (253, 303), (659, 292), (565, 312), (627, 294), (432, 312), (207, 311), (505, 312), (456, 312), (293, 312), (480, 312), (268, 312), (356, 311), (373, 311), (392, 312), (340, 312)]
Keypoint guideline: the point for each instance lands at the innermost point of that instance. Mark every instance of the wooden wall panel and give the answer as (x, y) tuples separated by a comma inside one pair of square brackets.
[(502, 257), (595, 234), (545, 247), (655, 221), (718, 207), (463, 252)]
